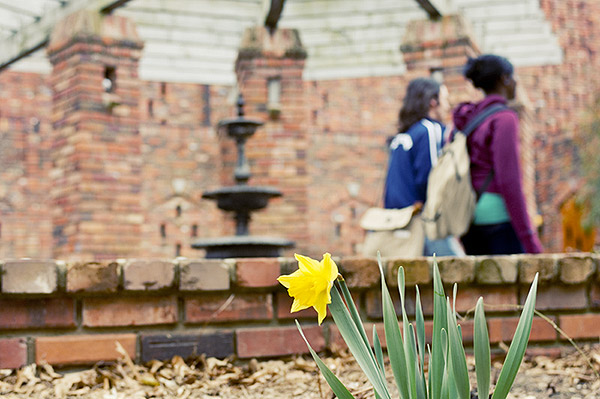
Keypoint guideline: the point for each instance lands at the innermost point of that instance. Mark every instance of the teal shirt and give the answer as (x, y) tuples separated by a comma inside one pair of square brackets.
[(490, 209)]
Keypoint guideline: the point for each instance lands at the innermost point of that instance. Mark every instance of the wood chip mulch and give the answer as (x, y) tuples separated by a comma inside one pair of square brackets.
[(568, 377)]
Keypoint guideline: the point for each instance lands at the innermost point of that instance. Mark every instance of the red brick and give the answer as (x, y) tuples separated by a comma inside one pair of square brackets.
[(82, 349), (465, 325), (426, 294), (129, 311), (580, 326), (498, 298), (502, 329), (278, 341), (336, 342), (551, 352), (13, 353), (93, 277), (37, 313), (284, 305), (595, 295), (218, 308), (257, 273), (373, 304), (559, 297), (375, 310)]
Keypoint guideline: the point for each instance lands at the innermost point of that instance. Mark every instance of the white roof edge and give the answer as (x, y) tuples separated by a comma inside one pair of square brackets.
[(361, 71)]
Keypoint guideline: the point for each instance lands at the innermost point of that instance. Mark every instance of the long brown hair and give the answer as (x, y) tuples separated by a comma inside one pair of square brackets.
[(417, 101)]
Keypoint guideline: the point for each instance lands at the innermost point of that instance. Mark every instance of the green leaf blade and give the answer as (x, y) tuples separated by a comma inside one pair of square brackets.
[(334, 383), (378, 351), (353, 311), (361, 352), (481, 348), (517, 348), (393, 339), (436, 360), (410, 347), (457, 358), (420, 324)]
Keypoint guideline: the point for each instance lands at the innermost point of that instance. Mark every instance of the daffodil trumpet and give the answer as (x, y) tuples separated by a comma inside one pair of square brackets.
[(311, 284)]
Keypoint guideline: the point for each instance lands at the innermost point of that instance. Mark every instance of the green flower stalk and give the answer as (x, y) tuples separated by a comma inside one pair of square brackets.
[(313, 285)]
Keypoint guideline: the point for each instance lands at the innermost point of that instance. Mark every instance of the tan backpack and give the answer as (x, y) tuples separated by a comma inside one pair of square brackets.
[(451, 200)]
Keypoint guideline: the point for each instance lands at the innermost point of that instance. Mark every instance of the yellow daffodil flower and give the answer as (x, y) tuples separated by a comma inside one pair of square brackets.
[(311, 284)]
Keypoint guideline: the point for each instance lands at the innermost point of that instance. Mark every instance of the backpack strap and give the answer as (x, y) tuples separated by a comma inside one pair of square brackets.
[(472, 125), (481, 117), (486, 183)]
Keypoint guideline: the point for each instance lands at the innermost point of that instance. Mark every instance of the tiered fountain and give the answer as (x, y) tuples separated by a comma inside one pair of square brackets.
[(242, 199)]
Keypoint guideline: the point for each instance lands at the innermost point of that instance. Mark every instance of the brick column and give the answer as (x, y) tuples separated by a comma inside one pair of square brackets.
[(278, 151), (96, 144), (444, 46)]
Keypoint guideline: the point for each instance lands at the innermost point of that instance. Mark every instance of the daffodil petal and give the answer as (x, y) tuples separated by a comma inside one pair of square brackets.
[(321, 306), (297, 306), (285, 280), (330, 266), (307, 265)]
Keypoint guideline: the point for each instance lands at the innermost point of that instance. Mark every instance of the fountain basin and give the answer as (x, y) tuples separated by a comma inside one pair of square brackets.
[(239, 128), (242, 246), (242, 197)]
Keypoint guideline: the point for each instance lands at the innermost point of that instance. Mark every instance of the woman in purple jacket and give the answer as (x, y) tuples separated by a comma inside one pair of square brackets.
[(501, 224)]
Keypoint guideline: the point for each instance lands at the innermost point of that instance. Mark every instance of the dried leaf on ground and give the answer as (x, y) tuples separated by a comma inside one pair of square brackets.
[(567, 377)]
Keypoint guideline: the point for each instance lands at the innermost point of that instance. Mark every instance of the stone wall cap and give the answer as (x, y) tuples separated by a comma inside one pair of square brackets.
[(90, 25), (429, 33), (29, 276), (257, 41)]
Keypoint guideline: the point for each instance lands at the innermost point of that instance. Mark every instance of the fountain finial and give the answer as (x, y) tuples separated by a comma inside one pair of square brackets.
[(240, 104)]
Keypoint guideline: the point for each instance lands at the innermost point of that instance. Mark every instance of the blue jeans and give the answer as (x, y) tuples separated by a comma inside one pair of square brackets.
[(448, 246)]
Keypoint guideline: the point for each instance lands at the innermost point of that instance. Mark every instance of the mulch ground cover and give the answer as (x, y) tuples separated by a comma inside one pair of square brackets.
[(570, 376)]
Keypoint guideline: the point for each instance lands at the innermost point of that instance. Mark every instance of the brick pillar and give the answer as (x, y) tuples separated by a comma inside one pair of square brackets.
[(278, 151), (96, 144)]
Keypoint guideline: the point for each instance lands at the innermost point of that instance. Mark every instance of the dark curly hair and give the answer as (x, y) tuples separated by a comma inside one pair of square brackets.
[(417, 101), (486, 71)]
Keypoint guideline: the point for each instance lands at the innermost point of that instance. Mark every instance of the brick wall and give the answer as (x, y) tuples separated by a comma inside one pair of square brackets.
[(560, 95), (25, 212), (340, 131), (348, 124), (161, 308), (181, 160)]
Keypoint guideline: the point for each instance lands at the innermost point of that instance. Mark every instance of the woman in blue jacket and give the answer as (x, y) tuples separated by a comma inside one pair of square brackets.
[(414, 151)]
